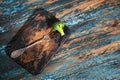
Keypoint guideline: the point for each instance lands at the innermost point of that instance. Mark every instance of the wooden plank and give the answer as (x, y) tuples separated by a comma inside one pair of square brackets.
[(93, 50)]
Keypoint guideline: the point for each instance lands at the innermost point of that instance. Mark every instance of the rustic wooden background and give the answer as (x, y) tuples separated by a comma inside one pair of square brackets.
[(92, 52)]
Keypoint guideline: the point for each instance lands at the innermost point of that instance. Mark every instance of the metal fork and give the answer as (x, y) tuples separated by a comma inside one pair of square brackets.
[(19, 52)]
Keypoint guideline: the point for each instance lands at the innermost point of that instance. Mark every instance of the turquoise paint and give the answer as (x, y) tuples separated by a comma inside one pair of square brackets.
[(13, 9), (15, 70), (6, 2)]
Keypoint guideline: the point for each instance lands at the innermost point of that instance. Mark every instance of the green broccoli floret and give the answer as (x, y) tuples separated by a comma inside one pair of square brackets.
[(59, 27)]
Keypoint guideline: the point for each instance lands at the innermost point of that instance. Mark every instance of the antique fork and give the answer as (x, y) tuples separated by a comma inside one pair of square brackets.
[(19, 52)]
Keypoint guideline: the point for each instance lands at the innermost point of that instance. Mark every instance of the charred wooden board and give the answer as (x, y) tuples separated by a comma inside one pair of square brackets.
[(36, 42)]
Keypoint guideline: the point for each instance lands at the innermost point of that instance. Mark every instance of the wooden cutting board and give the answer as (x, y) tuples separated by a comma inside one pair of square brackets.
[(35, 43)]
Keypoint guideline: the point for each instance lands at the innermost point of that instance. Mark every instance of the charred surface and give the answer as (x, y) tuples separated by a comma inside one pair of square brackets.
[(35, 58)]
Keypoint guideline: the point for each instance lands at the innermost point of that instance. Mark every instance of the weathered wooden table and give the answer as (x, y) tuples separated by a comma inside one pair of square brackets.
[(92, 52)]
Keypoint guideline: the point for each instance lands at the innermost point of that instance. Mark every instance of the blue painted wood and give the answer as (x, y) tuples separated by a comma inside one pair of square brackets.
[(91, 53)]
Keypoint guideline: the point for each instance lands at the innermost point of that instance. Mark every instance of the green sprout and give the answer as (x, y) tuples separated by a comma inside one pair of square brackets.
[(58, 26)]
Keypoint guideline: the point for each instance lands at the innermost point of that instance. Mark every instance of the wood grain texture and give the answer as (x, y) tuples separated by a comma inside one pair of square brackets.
[(91, 53)]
